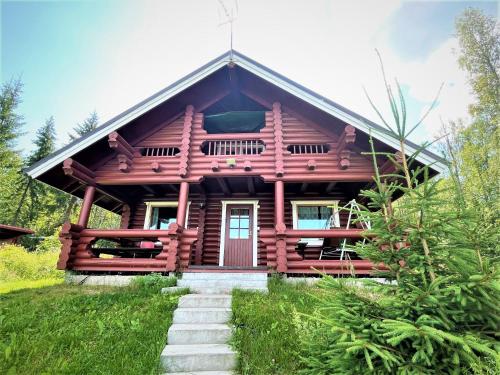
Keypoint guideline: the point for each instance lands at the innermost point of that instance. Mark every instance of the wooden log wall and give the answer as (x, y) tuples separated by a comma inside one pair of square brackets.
[(343, 162), (212, 222)]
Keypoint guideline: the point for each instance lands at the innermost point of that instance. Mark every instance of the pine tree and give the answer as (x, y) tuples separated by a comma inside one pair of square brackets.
[(440, 313), (10, 121), (88, 125), (45, 145)]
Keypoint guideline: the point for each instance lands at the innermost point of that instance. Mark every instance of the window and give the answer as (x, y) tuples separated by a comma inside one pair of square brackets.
[(315, 215), (159, 215), (308, 149), (239, 223), (234, 122), (160, 151)]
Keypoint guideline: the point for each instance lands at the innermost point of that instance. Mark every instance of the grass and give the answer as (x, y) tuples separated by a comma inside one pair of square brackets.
[(267, 333), (10, 286), (84, 330)]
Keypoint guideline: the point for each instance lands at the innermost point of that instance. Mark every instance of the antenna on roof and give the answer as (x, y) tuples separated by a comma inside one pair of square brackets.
[(229, 17)]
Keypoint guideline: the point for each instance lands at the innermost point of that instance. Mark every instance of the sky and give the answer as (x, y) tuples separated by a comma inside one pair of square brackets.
[(77, 56)]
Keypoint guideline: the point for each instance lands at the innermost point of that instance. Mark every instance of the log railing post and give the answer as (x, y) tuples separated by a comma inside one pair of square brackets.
[(88, 199), (174, 236), (279, 217)]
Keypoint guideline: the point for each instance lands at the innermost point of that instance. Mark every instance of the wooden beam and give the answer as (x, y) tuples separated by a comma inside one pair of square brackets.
[(182, 204), (392, 166), (79, 172), (346, 140), (234, 84), (149, 189), (213, 100), (88, 200), (224, 186), (256, 98), (186, 141), (330, 187), (279, 203), (120, 145), (278, 140), (251, 185), (173, 188)]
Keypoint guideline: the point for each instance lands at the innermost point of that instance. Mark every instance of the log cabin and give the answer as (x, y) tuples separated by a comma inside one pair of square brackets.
[(233, 167)]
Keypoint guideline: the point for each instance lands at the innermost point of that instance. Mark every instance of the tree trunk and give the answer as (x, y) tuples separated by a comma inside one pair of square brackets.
[(21, 201)]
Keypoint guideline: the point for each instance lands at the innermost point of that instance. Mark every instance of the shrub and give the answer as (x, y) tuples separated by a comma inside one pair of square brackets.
[(18, 264), (154, 281), (49, 244)]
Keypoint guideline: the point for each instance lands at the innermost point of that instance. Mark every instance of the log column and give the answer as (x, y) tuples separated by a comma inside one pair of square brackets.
[(183, 203), (88, 199), (279, 217), (279, 203)]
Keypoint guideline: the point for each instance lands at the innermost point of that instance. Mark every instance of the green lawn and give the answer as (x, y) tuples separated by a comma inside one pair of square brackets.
[(267, 335), (83, 330), (10, 286)]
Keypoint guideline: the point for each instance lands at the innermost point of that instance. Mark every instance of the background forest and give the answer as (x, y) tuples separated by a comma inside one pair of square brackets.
[(470, 147)]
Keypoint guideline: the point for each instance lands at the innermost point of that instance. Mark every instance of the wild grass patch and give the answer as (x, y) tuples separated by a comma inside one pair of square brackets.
[(268, 327), (84, 330), (18, 264)]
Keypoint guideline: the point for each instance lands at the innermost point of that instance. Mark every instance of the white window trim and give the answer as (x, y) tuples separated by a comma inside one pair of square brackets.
[(295, 204), (255, 204), (151, 204)]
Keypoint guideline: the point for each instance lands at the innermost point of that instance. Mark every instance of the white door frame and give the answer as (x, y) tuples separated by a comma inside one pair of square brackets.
[(255, 204)]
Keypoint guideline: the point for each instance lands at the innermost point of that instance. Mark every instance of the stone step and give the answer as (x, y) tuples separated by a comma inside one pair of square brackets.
[(193, 315), (185, 334), (221, 283), (200, 300), (204, 357), (224, 276), (224, 290)]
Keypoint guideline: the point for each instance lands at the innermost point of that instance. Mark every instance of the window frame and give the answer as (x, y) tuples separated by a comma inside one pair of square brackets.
[(153, 204), (295, 218)]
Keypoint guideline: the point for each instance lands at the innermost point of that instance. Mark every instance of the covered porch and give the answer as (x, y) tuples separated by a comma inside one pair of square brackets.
[(222, 224)]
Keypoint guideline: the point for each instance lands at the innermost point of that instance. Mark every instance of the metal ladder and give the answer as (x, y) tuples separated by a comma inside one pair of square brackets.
[(353, 208)]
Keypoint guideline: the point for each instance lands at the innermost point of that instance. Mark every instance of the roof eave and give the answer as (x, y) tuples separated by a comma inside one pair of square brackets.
[(293, 88)]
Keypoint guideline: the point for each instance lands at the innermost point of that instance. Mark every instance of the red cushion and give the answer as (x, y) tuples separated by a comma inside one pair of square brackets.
[(147, 245)]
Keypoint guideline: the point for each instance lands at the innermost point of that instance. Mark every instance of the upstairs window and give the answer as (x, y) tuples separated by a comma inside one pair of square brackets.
[(309, 149), (235, 122), (160, 151)]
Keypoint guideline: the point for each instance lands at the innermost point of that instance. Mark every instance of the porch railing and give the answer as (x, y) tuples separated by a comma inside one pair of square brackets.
[(77, 252), (296, 264)]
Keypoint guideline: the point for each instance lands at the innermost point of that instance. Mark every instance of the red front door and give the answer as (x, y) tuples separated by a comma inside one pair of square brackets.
[(238, 243)]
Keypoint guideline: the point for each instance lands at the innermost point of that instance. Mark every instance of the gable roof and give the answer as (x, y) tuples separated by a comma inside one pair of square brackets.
[(293, 88)]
